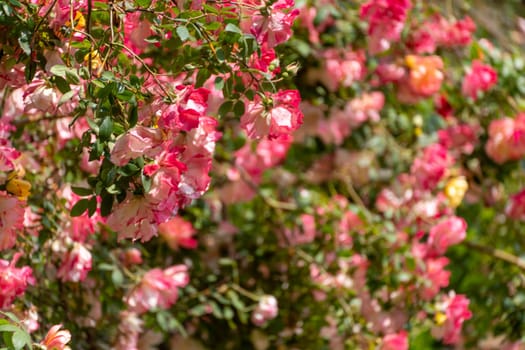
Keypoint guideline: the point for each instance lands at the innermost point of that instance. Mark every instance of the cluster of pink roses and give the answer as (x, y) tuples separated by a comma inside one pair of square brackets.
[(179, 155), (427, 208), (386, 19), (340, 122), (174, 137), (437, 31)]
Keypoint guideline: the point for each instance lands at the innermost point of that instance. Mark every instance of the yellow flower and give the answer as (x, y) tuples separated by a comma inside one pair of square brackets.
[(19, 188), (79, 20), (96, 61), (440, 318), (455, 190)]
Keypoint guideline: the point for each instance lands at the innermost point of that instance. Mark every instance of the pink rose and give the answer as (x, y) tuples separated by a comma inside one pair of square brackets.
[(56, 339), (136, 31), (506, 139), (158, 289), (76, 264), (516, 207), (136, 142), (456, 311), (436, 274), (7, 155), (178, 233), (460, 139), (129, 330), (11, 219), (281, 118), (448, 232), (431, 166), (276, 28), (480, 78), (386, 19), (133, 218), (266, 310), (395, 341), (13, 281)]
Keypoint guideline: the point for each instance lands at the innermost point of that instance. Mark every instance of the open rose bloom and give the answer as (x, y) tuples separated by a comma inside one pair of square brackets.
[(57, 339), (157, 289)]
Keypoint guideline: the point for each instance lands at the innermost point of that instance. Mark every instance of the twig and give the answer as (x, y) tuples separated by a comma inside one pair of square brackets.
[(23, 121), (354, 195), (150, 71), (497, 253), (88, 30), (244, 292), (42, 21)]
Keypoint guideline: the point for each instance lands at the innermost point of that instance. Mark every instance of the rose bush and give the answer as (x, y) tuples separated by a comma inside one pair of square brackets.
[(260, 174)]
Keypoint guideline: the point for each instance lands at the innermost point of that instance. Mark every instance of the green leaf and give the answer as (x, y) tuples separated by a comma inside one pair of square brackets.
[(11, 316), (129, 170), (219, 83), (82, 191), (198, 310), (98, 83), (66, 97), (210, 9), (113, 189), (144, 3), (72, 76), (8, 328), (228, 313), (250, 95), (107, 76), (20, 339), (16, 3), (30, 71), (235, 300), (183, 33), (105, 267), (420, 340), (225, 108), (220, 54), (146, 182), (133, 116), (117, 277), (213, 26), (230, 27), (202, 76), (107, 90), (239, 108), (216, 310), (8, 340), (61, 84), (106, 205), (92, 207), (59, 70), (80, 207), (106, 129), (24, 40)]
